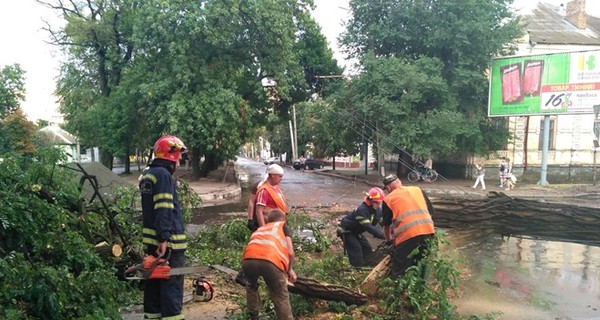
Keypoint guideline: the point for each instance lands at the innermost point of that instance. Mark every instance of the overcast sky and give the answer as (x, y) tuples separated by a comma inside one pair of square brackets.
[(22, 41)]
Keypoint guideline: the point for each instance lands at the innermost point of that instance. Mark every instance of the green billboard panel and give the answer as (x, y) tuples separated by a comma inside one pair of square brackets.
[(560, 83)]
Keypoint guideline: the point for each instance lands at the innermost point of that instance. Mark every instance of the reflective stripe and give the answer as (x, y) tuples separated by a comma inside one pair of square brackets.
[(398, 231), (272, 244), (175, 246), (269, 243), (149, 231), (150, 177), (177, 317), (398, 220), (168, 205), (176, 242), (151, 315), (163, 196), (176, 237)]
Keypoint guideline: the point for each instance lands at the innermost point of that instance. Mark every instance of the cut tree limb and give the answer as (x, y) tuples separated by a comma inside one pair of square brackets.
[(370, 285)]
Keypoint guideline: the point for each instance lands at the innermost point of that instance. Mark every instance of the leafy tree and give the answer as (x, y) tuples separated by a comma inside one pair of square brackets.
[(17, 133), (12, 89), (97, 41), (451, 42)]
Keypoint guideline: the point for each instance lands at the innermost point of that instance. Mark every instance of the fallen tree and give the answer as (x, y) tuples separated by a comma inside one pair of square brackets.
[(509, 216)]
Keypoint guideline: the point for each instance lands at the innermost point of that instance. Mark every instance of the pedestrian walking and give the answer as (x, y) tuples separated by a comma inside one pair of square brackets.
[(364, 218), (270, 255), (163, 228), (407, 224), (480, 176), (269, 195), (502, 169)]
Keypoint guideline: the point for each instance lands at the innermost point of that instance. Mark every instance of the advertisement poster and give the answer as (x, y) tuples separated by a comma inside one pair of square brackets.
[(560, 83)]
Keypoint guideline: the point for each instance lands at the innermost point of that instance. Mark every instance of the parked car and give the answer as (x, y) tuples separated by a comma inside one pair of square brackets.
[(271, 160), (308, 164)]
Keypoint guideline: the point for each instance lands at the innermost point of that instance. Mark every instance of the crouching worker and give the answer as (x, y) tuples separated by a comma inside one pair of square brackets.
[(270, 255), (364, 218)]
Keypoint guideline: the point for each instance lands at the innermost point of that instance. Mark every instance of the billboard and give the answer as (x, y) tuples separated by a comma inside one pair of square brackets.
[(559, 83)]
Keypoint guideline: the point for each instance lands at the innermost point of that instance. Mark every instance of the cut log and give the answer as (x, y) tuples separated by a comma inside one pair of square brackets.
[(106, 251), (370, 285), (325, 291)]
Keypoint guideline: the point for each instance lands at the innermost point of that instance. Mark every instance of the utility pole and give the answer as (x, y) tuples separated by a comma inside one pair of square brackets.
[(295, 141)]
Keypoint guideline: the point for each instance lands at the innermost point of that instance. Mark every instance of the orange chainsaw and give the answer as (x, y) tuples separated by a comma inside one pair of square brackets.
[(158, 268)]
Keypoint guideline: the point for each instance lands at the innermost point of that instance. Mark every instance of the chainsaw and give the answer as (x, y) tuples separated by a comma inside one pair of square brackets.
[(158, 268)]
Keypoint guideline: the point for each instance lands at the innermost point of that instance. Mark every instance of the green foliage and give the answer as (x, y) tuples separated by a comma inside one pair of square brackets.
[(47, 266), (196, 74), (12, 89), (430, 87), (424, 288), (17, 133)]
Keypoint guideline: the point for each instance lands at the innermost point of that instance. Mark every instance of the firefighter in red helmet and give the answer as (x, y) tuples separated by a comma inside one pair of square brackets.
[(163, 228), (364, 218)]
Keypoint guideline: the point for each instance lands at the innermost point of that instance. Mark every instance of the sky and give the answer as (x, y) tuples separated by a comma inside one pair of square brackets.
[(23, 41)]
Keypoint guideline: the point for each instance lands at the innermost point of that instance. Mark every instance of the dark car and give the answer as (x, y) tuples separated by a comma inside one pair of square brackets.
[(308, 164)]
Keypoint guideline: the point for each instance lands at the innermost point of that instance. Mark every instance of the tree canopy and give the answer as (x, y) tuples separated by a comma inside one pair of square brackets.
[(423, 71), (139, 69)]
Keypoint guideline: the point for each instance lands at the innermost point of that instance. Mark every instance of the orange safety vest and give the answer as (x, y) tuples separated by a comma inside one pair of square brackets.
[(410, 217), (269, 243), (276, 195)]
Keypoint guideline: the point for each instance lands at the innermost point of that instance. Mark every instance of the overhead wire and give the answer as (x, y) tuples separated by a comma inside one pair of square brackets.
[(341, 113)]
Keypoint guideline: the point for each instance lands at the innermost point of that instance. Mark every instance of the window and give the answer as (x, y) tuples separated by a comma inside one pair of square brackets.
[(551, 138)]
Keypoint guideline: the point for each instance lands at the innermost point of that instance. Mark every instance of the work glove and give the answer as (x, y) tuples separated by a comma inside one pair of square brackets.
[(252, 226)]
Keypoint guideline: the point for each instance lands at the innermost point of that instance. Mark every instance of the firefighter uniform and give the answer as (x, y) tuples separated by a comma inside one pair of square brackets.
[(407, 211), (163, 221), (353, 225)]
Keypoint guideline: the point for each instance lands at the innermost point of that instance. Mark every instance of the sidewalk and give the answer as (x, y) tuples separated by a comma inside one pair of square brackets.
[(462, 187)]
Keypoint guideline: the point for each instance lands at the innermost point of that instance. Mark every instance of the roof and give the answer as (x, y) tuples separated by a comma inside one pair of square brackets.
[(56, 135), (547, 26)]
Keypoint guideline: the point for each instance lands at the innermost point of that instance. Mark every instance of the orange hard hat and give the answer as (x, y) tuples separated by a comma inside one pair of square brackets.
[(169, 148)]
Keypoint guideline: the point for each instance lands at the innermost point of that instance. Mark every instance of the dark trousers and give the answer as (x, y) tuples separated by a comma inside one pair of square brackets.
[(164, 298), (276, 281), (402, 258), (357, 248)]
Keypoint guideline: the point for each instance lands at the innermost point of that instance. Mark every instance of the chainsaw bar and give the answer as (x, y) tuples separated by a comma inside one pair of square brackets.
[(173, 272)]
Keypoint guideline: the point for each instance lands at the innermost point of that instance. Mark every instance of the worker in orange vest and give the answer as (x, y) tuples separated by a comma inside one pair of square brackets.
[(269, 196), (270, 255), (407, 223)]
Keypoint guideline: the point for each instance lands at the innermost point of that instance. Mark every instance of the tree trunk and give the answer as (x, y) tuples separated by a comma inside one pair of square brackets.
[(504, 215), (195, 163), (321, 290), (106, 158)]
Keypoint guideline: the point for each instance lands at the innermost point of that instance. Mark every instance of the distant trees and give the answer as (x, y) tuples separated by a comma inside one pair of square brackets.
[(16, 132), (423, 83)]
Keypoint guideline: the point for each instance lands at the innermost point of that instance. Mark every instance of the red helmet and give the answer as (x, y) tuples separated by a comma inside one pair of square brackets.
[(169, 148), (374, 195)]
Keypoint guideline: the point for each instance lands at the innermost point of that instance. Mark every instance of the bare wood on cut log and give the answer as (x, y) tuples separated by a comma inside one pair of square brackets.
[(106, 251), (370, 285)]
